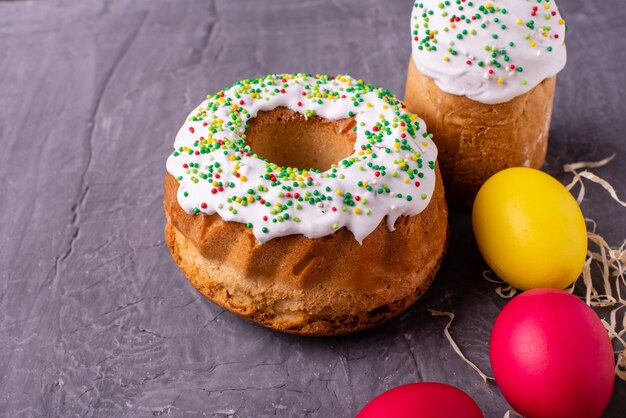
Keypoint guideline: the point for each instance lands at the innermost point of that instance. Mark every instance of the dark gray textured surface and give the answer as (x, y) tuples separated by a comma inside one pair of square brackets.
[(95, 318)]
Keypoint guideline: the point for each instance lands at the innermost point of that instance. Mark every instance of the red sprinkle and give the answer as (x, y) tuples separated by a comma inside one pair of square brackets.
[(204, 205), (191, 129)]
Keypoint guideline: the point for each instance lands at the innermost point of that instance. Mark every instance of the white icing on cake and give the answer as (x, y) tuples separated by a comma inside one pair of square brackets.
[(489, 51), (390, 174)]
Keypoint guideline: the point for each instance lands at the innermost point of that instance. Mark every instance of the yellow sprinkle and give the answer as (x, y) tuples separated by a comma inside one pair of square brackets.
[(357, 211), (339, 193), (278, 204), (406, 180), (446, 59), (425, 143), (238, 200), (533, 44), (385, 107), (243, 178), (452, 25), (369, 105), (305, 173), (520, 21), (396, 145), (413, 118), (368, 152), (414, 157), (360, 153), (403, 164), (215, 183), (545, 34), (547, 6), (561, 22), (231, 158), (365, 184), (250, 199), (500, 80), (489, 5)]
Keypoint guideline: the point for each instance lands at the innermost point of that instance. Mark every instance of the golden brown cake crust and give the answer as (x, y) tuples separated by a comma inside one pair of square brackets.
[(477, 140), (326, 286)]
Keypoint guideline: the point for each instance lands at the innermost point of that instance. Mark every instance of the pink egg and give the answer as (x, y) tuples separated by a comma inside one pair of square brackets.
[(551, 356), (422, 400)]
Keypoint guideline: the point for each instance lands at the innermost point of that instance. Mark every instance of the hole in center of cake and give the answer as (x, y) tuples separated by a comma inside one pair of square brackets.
[(288, 139)]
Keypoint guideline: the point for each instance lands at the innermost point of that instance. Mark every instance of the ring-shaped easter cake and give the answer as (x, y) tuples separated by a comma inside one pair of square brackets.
[(309, 204)]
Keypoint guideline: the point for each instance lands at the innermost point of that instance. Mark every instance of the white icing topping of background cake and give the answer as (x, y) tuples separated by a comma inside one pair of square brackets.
[(390, 174), (489, 51)]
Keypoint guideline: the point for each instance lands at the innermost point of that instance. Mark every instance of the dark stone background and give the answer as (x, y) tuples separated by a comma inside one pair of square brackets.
[(95, 318)]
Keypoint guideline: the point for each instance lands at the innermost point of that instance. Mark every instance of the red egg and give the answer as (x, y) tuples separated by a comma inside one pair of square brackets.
[(422, 400), (551, 356)]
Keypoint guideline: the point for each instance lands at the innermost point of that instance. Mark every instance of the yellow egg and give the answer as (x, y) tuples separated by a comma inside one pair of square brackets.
[(529, 229)]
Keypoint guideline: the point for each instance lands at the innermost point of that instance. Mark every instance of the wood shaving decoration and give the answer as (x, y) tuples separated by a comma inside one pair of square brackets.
[(455, 347), (505, 291), (511, 414), (572, 168)]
